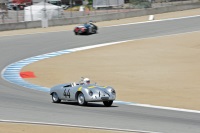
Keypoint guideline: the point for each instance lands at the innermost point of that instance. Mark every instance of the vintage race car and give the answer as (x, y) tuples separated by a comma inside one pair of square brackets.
[(82, 93), (88, 28)]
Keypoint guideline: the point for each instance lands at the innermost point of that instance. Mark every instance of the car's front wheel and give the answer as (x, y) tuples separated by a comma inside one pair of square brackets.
[(81, 99), (55, 98), (107, 103), (94, 31), (79, 32)]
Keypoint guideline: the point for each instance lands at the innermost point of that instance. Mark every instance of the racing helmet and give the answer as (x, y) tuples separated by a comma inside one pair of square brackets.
[(90, 22), (86, 81)]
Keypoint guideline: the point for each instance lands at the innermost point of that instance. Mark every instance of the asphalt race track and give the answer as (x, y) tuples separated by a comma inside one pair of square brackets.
[(22, 104)]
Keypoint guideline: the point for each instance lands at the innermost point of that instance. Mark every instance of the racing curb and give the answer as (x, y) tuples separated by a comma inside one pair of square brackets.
[(11, 72)]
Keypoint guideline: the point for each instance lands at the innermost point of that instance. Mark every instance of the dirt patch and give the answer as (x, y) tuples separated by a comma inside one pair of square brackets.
[(34, 128)]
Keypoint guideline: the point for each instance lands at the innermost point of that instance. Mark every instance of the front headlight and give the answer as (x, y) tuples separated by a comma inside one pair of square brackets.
[(90, 93), (113, 92)]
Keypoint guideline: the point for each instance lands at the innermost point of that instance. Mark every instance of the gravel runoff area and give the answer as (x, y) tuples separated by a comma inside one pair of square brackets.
[(157, 71), (34, 128)]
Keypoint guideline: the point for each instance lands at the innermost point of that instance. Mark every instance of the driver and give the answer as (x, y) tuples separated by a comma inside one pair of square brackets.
[(91, 23), (85, 81), (87, 25)]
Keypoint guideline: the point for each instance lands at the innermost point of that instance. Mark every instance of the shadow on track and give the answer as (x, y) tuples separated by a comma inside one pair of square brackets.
[(88, 104)]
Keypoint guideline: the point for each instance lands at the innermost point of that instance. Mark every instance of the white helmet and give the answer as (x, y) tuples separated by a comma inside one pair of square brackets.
[(86, 81)]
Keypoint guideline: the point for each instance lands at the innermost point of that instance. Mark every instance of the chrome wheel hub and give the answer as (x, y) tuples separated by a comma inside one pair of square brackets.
[(81, 99), (55, 97)]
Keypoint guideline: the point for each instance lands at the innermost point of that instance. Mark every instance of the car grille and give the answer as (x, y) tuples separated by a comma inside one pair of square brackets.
[(104, 98)]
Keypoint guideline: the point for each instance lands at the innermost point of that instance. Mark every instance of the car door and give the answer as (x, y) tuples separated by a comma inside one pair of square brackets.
[(69, 92), (66, 92)]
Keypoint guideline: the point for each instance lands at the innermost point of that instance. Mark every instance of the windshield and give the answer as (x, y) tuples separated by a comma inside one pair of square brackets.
[(57, 3)]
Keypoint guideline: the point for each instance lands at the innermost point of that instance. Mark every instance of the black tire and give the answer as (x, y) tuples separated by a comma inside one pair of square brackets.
[(79, 32), (75, 33), (87, 32), (81, 99), (95, 31), (96, 27), (55, 98), (107, 103)]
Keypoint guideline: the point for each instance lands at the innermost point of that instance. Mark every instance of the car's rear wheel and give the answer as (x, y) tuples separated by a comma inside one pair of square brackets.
[(55, 98), (81, 99), (107, 103), (94, 30), (87, 33)]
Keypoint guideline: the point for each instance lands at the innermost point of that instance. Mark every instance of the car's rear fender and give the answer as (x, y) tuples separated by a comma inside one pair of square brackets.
[(57, 89)]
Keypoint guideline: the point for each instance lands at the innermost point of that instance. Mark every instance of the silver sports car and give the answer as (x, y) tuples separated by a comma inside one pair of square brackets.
[(83, 93)]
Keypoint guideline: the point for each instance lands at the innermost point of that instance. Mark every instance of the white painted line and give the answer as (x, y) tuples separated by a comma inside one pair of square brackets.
[(155, 21), (77, 126), (112, 43), (2, 72), (106, 26), (157, 107), (167, 108)]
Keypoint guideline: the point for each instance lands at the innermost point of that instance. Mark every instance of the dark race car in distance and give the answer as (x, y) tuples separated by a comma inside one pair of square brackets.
[(87, 28)]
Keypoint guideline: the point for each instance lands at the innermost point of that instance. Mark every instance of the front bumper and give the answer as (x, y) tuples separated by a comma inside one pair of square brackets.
[(97, 98)]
